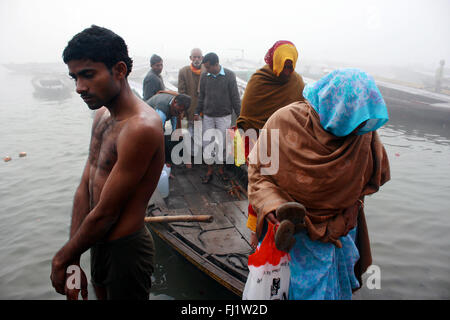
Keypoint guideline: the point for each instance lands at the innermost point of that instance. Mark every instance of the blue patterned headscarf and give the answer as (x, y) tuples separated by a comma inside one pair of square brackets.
[(344, 99)]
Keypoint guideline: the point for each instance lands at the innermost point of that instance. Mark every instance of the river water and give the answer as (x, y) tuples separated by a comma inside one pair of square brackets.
[(408, 219)]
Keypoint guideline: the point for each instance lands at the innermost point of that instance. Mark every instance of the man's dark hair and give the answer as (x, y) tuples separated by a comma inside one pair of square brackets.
[(183, 100), (155, 59), (212, 58), (99, 45)]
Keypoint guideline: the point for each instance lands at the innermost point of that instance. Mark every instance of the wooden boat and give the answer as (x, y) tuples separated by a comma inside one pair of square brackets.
[(220, 249), (51, 87)]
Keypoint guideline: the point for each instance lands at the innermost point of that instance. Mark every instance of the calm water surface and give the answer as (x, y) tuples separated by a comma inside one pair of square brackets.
[(408, 220)]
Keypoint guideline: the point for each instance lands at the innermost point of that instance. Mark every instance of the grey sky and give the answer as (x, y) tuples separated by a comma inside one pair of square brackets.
[(397, 32)]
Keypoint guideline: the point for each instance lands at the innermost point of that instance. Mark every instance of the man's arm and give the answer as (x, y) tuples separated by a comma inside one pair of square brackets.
[(163, 117), (81, 202), (80, 205), (136, 146), (145, 89)]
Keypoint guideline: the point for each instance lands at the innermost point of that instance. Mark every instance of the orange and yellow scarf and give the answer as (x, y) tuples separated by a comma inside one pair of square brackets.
[(280, 52), (195, 70)]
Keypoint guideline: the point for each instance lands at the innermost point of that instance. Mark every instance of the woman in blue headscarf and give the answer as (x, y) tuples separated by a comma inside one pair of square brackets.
[(330, 157), (344, 99)]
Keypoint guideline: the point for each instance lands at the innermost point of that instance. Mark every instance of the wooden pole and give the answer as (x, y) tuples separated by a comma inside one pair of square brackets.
[(179, 218)]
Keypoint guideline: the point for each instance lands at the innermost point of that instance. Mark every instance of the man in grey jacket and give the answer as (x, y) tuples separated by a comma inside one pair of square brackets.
[(218, 98), (153, 81)]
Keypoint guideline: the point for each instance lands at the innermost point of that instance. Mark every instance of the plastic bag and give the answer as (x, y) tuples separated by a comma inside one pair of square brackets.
[(269, 273), (163, 183)]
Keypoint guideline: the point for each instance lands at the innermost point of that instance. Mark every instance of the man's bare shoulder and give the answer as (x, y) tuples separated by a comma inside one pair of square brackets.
[(99, 114), (145, 124)]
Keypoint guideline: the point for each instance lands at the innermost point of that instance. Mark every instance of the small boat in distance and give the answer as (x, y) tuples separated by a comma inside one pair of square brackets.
[(51, 87)]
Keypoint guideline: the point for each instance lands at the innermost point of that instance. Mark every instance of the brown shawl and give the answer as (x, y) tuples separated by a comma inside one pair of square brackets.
[(329, 175), (266, 93)]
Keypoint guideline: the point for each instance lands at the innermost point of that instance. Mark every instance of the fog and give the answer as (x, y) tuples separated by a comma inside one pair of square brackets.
[(398, 33)]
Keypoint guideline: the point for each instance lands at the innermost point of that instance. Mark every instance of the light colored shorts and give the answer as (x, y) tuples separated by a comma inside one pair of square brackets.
[(220, 124)]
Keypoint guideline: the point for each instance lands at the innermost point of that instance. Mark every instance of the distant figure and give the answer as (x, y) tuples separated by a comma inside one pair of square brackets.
[(126, 156), (270, 88), (188, 83), (153, 82), (439, 76), (218, 98), (330, 158)]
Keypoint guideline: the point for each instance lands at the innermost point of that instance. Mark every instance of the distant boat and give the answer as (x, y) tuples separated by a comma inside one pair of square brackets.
[(51, 87), (35, 68)]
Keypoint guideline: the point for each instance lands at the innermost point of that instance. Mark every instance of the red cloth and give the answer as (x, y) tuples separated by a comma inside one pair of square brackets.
[(267, 252)]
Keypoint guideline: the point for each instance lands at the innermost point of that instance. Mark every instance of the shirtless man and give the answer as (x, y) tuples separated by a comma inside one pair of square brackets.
[(126, 156)]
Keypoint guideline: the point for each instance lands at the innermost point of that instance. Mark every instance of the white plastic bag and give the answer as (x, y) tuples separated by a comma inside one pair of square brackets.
[(269, 273), (163, 183)]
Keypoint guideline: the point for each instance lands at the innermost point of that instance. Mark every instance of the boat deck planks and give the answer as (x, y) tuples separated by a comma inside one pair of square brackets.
[(220, 248)]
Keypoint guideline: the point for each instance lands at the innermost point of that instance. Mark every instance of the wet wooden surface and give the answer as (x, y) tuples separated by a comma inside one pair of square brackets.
[(223, 243)]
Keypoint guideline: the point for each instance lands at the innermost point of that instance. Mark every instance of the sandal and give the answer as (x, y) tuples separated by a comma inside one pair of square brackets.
[(207, 178), (291, 216), (284, 236), (292, 211)]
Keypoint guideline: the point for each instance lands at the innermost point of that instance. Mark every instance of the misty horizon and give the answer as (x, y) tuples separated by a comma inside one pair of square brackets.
[(358, 33)]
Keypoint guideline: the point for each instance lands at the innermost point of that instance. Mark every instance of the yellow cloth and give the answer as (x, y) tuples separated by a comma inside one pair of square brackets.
[(283, 53), (239, 150), (252, 222)]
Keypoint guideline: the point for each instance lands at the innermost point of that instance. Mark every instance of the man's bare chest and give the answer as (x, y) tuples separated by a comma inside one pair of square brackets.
[(103, 149)]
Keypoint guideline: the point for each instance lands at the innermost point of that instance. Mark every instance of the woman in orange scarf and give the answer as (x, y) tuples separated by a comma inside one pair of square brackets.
[(273, 86), (270, 88)]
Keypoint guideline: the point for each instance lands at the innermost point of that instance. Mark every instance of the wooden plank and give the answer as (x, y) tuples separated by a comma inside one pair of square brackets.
[(220, 221), (243, 206), (183, 228), (197, 200), (223, 241), (237, 218), (238, 263), (221, 196), (224, 278), (184, 183), (179, 218), (176, 202), (157, 200), (195, 177), (174, 188)]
